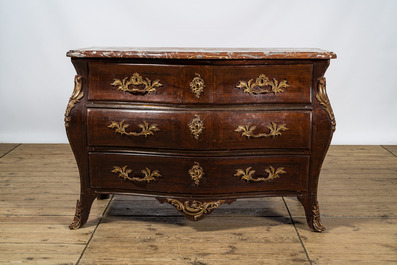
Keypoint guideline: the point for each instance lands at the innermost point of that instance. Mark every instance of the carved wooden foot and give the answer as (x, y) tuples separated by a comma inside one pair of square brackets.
[(312, 212), (83, 208), (194, 210)]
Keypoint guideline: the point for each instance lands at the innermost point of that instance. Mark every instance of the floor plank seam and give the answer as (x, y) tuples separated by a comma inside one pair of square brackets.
[(297, 233), (388, 151), (93, 232), (10, 151), (354, 217), (35, 215)]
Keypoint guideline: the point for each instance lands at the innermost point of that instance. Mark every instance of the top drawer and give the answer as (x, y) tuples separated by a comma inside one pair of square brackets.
[(134, 82), (263, 84), (200, 84)]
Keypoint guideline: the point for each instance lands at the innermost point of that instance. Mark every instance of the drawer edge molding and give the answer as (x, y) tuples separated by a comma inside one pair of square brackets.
[(248, 130), (135, 81), (146, 129), (247, 175), (148, 175), (74, 98), (261, 85), (195, 210)]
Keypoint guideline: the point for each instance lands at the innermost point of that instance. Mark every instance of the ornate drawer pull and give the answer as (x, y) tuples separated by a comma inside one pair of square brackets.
[(248, 130), (146, 129), (196, 127), (197, 85), (196, 209), (148, 175), (261, 84), (247, 175), (136, 80)]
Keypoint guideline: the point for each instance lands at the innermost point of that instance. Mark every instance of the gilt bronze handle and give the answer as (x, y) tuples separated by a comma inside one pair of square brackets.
[(248, 130), (148, 175), (138, 83), (146, 129), (262, 85), (247, 175)]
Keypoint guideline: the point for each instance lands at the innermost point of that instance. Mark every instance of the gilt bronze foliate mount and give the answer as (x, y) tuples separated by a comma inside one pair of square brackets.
[(197, 85), (248, 130), (196, 127), (146, 129), (138, 84), (148, 175), (262, 85)]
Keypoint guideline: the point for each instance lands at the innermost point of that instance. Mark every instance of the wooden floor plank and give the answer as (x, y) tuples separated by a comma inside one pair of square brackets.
[(369, 192), (44, 149), (43, 233), (49, 208), (391, 148), (5, 148), (352, 241), (34, 253), (39, 186), (176, 240)]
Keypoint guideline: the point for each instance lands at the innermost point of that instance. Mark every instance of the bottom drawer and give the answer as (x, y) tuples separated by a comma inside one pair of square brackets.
[(197, 175)]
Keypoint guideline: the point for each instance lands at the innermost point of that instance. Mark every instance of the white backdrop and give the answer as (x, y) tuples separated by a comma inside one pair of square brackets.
[(36, 79)]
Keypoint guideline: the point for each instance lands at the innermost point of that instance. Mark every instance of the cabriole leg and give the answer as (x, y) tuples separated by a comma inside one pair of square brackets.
[(312, 212), (83, 208)]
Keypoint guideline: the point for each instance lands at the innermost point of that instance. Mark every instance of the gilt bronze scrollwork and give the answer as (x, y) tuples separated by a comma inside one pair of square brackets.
[(148, 175), (74, 99), (146, 129), (248, 130), (322, 97), (196, 127), (196, 173), (138, 83), (195, 210), (262, 85), (197, 85), (316, 220), (247, 175), (77, 217)]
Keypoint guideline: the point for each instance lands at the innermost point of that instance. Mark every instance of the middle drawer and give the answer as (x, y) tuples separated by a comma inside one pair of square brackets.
[(199, 130)]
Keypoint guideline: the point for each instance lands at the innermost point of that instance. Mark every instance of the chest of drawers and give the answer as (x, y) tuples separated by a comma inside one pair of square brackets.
[(197, 128)]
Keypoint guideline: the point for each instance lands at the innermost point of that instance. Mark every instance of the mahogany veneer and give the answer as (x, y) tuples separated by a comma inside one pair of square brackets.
[(197, 128)]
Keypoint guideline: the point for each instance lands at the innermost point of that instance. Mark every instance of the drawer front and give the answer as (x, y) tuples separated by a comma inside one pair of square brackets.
[(273, 129), (199, 130), (263, 84), (134, 82), (198, 175), (150, 129)]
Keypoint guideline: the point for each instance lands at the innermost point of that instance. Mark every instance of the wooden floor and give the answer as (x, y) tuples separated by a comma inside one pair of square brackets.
[(40, 185)]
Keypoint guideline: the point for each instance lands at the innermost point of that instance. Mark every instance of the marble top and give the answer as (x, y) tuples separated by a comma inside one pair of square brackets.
[(201, 53)]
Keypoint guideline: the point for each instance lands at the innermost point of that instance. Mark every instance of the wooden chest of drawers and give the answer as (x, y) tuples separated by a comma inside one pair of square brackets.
[(198, 128)]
